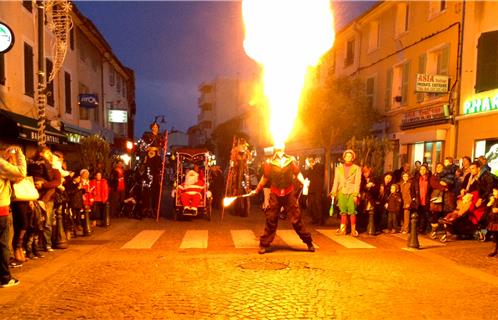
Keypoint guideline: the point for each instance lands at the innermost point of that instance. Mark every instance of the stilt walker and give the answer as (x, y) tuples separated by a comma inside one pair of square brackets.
[(165, 151)]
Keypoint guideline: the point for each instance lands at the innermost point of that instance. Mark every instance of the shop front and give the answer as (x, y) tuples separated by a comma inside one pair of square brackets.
[(21, 130), (478, 130), (426, 136)]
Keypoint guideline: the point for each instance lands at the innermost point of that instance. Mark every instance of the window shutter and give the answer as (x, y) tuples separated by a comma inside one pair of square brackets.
[(445, 61), (487, 64), (389, 89), (422, 61), (404, 85), (29, 86)]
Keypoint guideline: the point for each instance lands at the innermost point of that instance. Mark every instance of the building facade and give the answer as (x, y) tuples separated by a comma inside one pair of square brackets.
[(407, 53), (84, 76)]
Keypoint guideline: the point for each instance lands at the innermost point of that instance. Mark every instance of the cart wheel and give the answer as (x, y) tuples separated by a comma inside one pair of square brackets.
[(443, 238)]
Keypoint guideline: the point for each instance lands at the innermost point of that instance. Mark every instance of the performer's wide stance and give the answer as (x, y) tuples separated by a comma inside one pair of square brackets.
[(280, 172)]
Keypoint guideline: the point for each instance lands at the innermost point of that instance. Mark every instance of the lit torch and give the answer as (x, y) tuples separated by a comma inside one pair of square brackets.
[(286, 38)]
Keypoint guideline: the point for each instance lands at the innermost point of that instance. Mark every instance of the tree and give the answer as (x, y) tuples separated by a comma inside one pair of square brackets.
[(95, 153), (370, 151), (334, 112)]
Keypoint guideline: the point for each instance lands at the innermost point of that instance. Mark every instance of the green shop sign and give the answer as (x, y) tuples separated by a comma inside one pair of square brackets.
[(482, 102)]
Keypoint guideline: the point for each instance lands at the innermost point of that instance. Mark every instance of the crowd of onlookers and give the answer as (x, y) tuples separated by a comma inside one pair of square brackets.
[(33, 191), (456, 200)]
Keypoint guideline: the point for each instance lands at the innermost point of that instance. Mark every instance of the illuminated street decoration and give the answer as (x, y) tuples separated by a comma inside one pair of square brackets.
[(482, 102), (286, 38)]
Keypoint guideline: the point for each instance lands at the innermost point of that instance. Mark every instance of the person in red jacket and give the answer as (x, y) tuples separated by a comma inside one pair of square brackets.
[(100, 191)]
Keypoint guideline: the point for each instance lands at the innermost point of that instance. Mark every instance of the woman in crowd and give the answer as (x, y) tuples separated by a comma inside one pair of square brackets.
[(8, 172), (422, 191), (384, 192)]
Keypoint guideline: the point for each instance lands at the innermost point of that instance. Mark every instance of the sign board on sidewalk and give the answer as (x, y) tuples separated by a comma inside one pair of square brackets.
[(118, 116)]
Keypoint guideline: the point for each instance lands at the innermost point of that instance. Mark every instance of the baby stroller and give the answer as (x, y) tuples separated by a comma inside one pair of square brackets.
[(466, 221)]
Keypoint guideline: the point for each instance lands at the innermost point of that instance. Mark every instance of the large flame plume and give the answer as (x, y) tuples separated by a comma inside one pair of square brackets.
[(286, 38)]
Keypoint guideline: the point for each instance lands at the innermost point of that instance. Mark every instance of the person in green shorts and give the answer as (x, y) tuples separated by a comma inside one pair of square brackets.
[(346, 190)]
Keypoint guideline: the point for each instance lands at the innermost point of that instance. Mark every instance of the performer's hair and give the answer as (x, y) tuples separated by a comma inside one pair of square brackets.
[(154, 124)]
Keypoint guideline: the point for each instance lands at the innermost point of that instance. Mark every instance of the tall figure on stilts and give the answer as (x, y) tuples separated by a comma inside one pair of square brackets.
[(240, 156)]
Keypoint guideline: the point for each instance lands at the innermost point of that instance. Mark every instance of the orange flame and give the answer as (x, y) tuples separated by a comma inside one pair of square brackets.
[(286, 38)]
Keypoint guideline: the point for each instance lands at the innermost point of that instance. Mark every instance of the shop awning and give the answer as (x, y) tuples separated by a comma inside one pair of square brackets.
[(17, 126)]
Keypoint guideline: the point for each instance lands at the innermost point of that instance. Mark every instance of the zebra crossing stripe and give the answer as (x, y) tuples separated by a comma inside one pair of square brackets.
[(244, 239), (423, 241), (143, 240), (292, 239), (346, 241), (195, 239)]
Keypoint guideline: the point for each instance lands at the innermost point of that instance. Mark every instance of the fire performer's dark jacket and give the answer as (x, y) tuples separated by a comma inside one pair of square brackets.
[(280, 172)]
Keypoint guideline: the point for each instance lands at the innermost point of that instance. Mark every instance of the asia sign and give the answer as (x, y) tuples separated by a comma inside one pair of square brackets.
[(118, 116), (482, 102), (432, 83)]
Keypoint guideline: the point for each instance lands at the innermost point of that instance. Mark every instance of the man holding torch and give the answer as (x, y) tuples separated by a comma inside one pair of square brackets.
[(280, 172)]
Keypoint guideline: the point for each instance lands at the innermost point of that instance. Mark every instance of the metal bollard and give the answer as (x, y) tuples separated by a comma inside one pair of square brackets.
[(87, 229), (60, 240), (371, 223), (413, 239), (106, 220)]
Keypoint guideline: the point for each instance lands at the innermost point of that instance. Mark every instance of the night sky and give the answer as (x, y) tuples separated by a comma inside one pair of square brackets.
[(173, 46)]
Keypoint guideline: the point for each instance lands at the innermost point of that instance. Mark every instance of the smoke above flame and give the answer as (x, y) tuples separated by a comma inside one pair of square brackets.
[(286, 38)]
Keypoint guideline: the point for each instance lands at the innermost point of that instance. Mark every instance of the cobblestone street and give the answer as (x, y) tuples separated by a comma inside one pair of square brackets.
[(96, 278)]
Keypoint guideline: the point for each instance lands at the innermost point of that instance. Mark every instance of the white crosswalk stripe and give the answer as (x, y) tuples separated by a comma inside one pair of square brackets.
[(244, 239), (247, 239), (195, 239), (292, 239), (346, 241), (143, 240)]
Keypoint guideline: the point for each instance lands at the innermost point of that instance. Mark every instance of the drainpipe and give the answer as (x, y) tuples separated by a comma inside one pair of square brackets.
[(455, 112)]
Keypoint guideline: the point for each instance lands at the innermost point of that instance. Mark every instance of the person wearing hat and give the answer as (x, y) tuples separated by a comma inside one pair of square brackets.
[(346, 189), (280, 172)]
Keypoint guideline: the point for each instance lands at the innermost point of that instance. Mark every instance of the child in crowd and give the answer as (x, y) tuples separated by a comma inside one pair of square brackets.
[(393, 206), (493, 219), (408, 196)]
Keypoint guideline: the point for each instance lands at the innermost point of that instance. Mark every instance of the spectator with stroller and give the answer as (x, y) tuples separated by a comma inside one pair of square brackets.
[(493, 219), (8, 173), (438, 187)]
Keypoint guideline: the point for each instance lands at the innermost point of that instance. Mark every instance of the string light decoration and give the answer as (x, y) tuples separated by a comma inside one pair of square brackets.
[(58, 14)]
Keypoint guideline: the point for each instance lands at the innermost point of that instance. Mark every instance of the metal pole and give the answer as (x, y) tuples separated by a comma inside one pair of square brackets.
[(165, 149), (41, 97)]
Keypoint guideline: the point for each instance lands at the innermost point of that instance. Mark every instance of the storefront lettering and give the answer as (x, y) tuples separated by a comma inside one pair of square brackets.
[(51, 139), (483, 102)]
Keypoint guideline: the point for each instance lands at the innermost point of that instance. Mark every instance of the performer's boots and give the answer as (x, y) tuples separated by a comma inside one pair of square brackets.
[(342, 230), (434, 230), (354, 233)]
